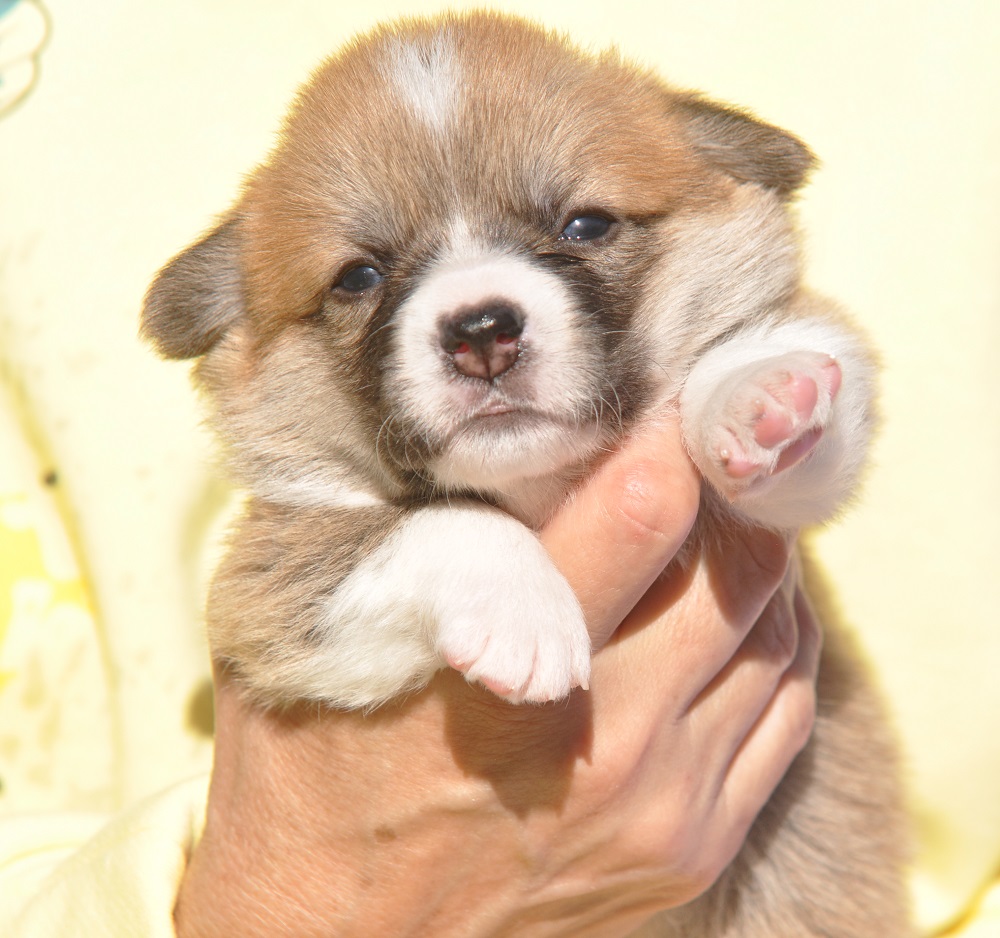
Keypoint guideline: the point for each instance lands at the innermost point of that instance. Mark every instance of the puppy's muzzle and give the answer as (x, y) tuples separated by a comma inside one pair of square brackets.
[(483, 340)]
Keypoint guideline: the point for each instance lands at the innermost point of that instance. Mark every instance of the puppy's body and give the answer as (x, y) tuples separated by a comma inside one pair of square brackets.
[(474, 261)]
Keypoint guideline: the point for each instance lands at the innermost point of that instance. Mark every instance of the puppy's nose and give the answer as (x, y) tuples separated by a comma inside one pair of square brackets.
[(482, 340)]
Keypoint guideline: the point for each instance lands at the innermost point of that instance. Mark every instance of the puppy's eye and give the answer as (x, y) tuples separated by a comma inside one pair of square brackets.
[(358, 279), (586, 228)]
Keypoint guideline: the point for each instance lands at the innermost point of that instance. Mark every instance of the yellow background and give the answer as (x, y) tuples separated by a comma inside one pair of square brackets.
[(143, 121)]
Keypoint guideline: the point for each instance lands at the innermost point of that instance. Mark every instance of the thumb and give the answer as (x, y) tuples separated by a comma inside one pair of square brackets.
[(614, 537)]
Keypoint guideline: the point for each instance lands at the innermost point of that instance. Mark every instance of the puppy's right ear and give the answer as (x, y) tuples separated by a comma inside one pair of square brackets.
[(197, 296), (745, 148)]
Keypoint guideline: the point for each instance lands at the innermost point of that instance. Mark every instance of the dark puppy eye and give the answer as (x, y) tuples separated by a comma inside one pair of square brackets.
[(586, 228), (358, 279)]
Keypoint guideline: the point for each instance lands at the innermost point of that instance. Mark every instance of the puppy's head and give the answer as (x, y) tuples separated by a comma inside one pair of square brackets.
[(474, 256)]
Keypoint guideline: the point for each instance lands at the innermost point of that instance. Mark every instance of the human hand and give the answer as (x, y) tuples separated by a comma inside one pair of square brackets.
[(454, 813)]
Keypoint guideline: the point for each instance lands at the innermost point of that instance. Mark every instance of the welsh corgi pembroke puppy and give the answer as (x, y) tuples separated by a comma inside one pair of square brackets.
[(476, 258)]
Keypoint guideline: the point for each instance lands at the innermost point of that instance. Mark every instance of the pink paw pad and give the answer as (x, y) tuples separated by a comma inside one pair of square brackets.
[(789, 404), (776, 413)]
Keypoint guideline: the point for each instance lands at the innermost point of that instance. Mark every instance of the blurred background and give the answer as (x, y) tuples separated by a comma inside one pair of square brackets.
[(125, 129)]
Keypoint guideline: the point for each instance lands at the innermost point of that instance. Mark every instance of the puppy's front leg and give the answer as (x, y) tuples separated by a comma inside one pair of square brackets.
[(779, 417), (461, 584), (458, 584)]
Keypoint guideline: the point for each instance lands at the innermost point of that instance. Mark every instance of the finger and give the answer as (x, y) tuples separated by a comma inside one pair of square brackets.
[(736, 698), (783, 728), (691, 624), (624, 525), (748, 679), (746, 563)]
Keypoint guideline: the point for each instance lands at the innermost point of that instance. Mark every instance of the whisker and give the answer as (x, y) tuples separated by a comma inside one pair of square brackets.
[(384, 429), (372, 335)]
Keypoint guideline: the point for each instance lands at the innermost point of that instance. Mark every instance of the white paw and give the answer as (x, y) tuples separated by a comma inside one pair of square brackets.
[(503, 613), (764, 418), (455, 584), (518, 630), (507, 618)]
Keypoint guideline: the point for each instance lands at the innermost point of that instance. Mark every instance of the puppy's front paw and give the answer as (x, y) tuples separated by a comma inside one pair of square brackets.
[(519, 632), (766, 418)]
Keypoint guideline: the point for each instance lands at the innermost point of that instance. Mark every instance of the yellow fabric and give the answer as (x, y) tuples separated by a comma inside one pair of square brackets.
[(138, 126), (122, 881), (982, 920)]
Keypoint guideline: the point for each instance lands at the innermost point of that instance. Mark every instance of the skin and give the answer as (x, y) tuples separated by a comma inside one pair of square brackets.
[(455, 813)]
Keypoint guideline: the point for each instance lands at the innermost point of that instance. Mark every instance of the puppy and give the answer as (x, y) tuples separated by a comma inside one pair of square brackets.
[(476, 258)]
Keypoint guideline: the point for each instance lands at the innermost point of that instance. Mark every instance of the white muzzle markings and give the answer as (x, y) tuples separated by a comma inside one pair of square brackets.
[(533, 419)]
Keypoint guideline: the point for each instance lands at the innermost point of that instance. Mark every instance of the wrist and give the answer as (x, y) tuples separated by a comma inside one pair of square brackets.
[(316, 826)]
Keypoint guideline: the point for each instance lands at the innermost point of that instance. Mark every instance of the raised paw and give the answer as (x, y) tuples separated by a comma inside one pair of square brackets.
[(768, 416)]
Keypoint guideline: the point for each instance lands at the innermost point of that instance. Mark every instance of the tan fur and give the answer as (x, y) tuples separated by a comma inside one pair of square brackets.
[(482, 133)]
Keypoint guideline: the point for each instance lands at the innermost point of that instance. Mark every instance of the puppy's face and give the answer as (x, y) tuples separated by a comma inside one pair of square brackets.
[(473, 258)]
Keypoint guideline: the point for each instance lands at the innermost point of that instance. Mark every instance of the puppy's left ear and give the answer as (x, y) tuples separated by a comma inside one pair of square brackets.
[(745, 148), (197, 296)]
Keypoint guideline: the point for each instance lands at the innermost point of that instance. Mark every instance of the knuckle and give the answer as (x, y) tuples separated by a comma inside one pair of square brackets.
[(778, 632), (648, 512), (697, 864), (682, 840), (701, 872), (767, 556), (799, 713), (750, 570), (810, 632)]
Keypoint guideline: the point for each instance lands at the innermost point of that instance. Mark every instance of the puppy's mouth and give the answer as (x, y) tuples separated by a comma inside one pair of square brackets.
[(500, 409), (496, 445), (508, 415)]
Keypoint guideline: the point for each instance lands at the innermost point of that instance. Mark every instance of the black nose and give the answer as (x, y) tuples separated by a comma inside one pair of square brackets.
[(483, 339)]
